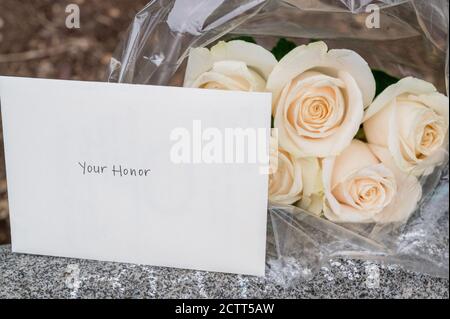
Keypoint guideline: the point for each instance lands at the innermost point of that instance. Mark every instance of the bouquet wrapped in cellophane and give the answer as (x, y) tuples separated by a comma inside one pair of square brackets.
[(359, 111)]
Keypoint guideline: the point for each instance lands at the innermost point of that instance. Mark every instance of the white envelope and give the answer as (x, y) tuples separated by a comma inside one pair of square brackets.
[(206, 216)]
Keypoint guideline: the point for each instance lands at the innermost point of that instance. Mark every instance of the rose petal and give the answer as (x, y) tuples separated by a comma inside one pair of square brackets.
[(200, 61), (294, 63), (315, 55), (376, 128), (225, 81), (355, 157), (314, 85), (331, 145), (255, 56), (286, 184), (408, 194), (332, 209), (437, 102), (405, 85), (353, 63)]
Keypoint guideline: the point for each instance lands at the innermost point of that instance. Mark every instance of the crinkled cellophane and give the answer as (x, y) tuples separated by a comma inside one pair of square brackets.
[(412, 41)]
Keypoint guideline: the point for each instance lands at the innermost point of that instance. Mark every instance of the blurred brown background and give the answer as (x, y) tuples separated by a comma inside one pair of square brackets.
[(35, 42)]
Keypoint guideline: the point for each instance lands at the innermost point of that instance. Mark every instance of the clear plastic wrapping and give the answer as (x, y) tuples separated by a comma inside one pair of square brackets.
[(412, 40)]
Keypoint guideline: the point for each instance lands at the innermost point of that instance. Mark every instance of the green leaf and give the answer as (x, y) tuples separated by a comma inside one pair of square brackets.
[(282, 48), (361, 135), (383, 80), (244, 38), (272, 122)]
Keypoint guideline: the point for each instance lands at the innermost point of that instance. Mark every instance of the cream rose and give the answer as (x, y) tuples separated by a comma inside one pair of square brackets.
[(410, 118), (319, 98), (236, 65), (363, 185), (295, 180)]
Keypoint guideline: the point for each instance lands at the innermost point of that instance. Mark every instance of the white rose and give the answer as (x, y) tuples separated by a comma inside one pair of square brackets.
[(363, 185), (295, 180), (410, 118), (319, 98), (236, 65)]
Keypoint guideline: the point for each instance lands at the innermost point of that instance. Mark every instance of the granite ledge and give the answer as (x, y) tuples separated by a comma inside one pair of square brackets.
[(29, 276)]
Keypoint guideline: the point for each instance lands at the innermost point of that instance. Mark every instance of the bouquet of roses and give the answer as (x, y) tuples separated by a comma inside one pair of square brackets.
[(337, 151), (360, 132)]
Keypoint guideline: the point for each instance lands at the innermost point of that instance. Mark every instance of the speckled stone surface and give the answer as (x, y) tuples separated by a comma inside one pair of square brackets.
[(27, 276)]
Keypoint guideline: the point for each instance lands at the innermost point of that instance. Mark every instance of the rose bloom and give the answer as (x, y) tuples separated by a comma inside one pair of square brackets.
[(319, 98), (236, 65), (410, 118), (294, 180), (363, 185)]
